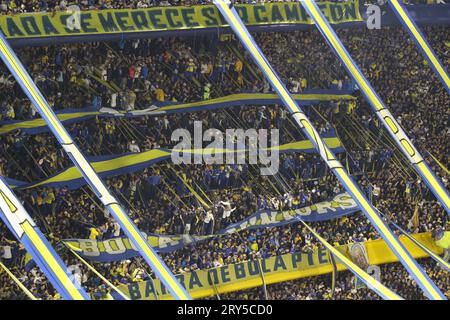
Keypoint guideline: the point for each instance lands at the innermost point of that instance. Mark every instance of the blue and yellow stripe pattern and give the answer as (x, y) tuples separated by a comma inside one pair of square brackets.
[(69, 116), (111, 166), (28, 86), (385, 116), (26, 231), (299, 116)]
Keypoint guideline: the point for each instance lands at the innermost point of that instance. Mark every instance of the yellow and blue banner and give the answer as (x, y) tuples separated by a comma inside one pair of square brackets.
[(121, 248), (245, 275), (234, 277), (98, 187), (114, 165), (50, 28), (69, 116), (340, 205), (413, 29), (65, 24), (36, 126), (385, 116), (230, 14), (27, 232), (117, 249)]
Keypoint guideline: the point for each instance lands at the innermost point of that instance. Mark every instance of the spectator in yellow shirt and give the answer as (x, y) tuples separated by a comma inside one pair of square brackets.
[(254, 246), (238, 66), (160, 94), (93, 233)]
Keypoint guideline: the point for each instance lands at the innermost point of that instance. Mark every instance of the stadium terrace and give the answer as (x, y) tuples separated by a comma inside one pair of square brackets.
[(93, 206)]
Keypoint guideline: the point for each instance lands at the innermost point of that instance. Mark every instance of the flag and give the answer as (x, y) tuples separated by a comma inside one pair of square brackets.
[(414, 222)]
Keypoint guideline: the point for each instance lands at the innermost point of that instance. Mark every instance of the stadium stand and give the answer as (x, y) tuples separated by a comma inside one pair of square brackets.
[(163, 198)]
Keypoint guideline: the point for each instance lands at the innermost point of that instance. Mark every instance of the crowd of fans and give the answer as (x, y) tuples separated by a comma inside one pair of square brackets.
[(134, 74)]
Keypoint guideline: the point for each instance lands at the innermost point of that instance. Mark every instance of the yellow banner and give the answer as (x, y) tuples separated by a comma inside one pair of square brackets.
[(35, 25), (237, 276), (276, 269)]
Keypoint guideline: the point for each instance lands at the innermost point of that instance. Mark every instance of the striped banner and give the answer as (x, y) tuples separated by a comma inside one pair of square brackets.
[(111, 166), (70, 116), (28, 234)]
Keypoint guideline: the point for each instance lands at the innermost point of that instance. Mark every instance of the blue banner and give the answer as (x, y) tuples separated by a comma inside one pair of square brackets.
[(121, 248)]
